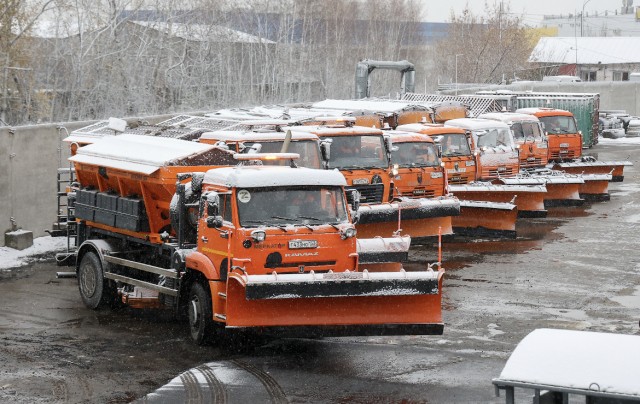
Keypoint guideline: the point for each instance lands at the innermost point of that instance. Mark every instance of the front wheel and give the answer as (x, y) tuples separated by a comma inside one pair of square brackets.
[(201, 322), (94, 291)]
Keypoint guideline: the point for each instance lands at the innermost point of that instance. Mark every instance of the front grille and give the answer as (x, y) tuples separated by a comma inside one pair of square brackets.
[(531, 163), (494, 173), (565, 155), (371, 193)]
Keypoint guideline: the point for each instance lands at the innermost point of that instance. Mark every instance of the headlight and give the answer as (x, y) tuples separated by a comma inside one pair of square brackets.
[(258, 235), (348, 233), (394, 171)]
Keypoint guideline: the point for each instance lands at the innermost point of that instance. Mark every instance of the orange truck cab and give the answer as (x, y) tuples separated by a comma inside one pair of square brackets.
[(416, 166), (563, 137), (493, 145), (250, 247), (455, 150), (528, 135), (307, 145), (363, 155)]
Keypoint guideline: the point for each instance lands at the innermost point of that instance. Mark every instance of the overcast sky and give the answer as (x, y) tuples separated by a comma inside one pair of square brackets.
[(440, 11)]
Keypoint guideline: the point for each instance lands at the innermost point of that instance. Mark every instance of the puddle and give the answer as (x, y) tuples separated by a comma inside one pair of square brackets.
[(631, 301)]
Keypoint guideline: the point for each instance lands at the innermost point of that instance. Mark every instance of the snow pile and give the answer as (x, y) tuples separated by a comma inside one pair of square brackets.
[(42, 248), (622, 140)]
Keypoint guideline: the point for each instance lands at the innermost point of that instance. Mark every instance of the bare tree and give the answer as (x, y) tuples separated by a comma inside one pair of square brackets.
[(490, 48)]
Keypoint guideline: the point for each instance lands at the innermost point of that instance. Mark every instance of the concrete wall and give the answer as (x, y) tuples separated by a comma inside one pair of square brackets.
[(613, 94), (30, 157)]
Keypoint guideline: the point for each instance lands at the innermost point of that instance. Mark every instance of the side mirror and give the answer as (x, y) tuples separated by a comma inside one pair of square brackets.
[(213, 204), (214, 222), (355, 205), (389, 144), (439, 151), (325, 149)]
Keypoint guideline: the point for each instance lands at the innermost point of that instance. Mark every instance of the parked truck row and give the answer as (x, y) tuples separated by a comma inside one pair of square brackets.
[(296, 219)]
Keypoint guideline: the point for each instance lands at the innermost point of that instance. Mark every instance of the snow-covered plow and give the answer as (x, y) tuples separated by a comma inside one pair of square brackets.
[(347, 303)]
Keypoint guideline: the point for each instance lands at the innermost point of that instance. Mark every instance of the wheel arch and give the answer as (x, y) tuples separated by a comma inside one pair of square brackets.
[(99, 247)]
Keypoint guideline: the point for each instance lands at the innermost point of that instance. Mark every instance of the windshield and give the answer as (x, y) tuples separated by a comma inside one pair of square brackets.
[(453, 144), (415, 154), (298, 206), (493, 137), (358, 151), (308, 150), (525, 130), (559, 124)]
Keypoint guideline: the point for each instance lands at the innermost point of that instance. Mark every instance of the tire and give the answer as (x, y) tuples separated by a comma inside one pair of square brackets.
[(200, 314), (94, 290)]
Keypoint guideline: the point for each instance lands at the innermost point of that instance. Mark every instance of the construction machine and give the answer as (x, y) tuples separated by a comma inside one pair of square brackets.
[(168, 223)]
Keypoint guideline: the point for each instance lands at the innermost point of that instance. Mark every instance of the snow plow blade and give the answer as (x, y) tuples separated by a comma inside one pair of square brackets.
[(562, 189), (349, 303), (529, 199), (340, 284), (421, 218), (615, 168), (595, 187), (486, 219), (383, 250)]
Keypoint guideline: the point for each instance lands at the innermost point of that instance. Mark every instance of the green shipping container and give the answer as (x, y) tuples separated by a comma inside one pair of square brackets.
[(584, 107)]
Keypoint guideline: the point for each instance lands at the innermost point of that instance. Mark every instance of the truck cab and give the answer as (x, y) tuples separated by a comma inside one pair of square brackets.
[(493, 145), (416, 166), (361, 154), (563, 137), (455, 150), (306, 145), (528, 135), (292, 227)]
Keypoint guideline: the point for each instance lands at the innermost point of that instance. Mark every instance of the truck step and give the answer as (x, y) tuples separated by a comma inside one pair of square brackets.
[(169, 273), (220, 316), (143, 284), (222, 295)]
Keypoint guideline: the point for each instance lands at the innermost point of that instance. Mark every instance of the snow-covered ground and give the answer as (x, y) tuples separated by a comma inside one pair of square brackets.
[(43, 248), (622, 140)]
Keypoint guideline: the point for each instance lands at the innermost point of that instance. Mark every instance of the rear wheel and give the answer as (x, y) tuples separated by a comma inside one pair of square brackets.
[(200, 310), (94, 290)]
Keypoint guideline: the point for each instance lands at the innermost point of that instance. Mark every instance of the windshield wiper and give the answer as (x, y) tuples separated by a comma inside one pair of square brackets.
[(265, 223)]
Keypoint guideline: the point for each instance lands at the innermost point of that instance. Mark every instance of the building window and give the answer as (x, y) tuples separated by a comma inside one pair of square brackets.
[(620, 76), (588, 76)]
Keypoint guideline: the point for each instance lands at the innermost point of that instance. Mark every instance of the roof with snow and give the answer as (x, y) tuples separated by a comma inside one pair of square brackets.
[(592, 362), (587, 50)]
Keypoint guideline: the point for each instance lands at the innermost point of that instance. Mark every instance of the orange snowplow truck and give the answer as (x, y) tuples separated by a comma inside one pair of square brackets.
[(416, 166), (564, 139), (252, 247), (363, 156)]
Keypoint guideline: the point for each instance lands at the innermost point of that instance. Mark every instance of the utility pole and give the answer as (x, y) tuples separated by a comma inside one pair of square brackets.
[(457, 54), (582, 18)]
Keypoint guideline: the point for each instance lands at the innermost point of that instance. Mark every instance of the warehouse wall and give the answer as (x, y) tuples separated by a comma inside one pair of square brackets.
[(29, 162), (613, 94)]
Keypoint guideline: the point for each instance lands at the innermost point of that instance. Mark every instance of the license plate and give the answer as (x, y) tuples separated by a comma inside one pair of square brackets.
[(502, 169), (297, 244), (531, 159), (564, 144), (419, 191), (360, 181)]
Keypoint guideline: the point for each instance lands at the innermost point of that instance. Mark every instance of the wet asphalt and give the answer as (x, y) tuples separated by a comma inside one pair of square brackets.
[(577, 269)]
